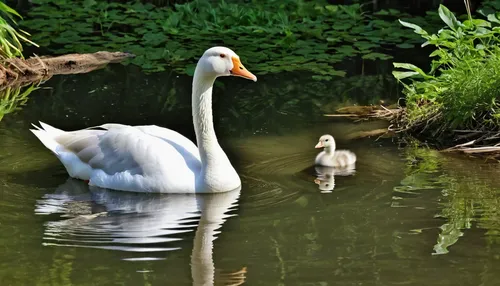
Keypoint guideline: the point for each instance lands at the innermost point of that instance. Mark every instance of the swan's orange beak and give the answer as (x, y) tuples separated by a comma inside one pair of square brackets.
[(240, 70), (319, 145)]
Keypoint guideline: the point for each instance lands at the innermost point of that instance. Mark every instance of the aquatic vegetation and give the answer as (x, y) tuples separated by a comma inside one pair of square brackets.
[(272, 36), (10, 37), (460, 92), (12, 98)]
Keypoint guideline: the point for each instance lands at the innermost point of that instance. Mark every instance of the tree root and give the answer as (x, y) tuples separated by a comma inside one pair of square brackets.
[(15, 71)]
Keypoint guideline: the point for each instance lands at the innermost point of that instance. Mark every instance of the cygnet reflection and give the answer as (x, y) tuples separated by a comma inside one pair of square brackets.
[(325, 176)]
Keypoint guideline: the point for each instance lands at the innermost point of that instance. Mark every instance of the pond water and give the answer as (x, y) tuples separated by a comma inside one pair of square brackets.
[(407, 215)]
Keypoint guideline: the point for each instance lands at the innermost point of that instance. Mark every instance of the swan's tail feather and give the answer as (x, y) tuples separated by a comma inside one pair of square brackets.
[(37, 127), (46, 134), (51, 129), (106, 126), (47, 139)]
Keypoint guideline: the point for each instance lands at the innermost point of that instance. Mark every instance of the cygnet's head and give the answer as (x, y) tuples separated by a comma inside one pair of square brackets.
[(222, 61), (325, 183), (326, 141)]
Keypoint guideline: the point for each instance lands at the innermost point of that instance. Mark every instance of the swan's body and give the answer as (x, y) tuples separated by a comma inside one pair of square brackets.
[(330, 157), (152, 158)]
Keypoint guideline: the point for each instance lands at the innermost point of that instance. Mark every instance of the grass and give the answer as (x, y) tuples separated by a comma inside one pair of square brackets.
[(11, 38), (11, 45)]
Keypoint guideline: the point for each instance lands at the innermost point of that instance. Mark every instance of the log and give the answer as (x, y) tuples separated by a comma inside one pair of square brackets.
[(18, 71)]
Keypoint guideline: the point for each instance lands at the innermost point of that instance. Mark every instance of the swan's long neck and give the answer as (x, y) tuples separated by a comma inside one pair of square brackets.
[(202, 110), (210, 150), (217, 173)]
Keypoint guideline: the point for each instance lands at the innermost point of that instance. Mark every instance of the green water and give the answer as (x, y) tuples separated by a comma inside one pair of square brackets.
[(407, 216)]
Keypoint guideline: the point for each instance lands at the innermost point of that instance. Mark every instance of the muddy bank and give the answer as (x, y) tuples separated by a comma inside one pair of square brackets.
[(15, 71)]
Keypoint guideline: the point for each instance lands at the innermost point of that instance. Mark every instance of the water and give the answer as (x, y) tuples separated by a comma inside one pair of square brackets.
[(406, 216)]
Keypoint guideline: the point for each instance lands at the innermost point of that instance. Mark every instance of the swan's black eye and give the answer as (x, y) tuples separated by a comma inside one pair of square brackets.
[(326, 140), (327, 185), (222, 55)]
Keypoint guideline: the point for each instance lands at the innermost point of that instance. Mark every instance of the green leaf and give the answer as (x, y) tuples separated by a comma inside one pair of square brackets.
[(493, 18), (363, 45), (4, 7), (374, 56), (412, 68), (417, 29), (333, 40), (382, 13), (332, 8), (321, 77), (401, 75), (480, 47), (481, 23), (405, 46), (346, 50), (480, 31), (438, 52), (342, 26), (448, 17)]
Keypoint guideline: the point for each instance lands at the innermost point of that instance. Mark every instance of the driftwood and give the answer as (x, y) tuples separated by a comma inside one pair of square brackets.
[(370, 111), (380, 132), (16, 72)]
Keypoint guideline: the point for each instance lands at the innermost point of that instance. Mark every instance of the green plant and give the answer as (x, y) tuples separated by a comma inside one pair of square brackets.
[(271, 36), (10, 38), (461, 90)]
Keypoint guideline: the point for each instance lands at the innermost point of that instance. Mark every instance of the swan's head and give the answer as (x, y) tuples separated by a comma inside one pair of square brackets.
[(221, 61), (326, 141)]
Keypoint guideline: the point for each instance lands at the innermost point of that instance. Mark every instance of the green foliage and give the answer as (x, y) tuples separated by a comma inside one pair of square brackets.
[(271, 36), (462, 87), (10, 37)]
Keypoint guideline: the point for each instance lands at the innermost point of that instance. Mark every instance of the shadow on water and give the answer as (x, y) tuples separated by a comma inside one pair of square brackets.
[(405, 215)]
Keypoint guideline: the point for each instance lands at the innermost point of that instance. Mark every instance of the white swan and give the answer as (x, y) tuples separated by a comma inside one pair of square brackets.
[(152, 158), (330, 157)]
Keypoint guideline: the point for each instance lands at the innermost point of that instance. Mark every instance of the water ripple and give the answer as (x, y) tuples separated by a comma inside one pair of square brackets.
[(130, 222)]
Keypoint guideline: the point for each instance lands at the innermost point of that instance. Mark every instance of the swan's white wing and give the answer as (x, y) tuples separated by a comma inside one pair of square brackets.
[(123, 158), (172, 137)]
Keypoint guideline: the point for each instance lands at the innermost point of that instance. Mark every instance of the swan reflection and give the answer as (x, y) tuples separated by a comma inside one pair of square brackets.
[(141, 223), (325, 176)]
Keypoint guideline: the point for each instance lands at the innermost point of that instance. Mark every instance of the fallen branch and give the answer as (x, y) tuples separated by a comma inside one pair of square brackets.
[(17, 71), (381, 132)]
